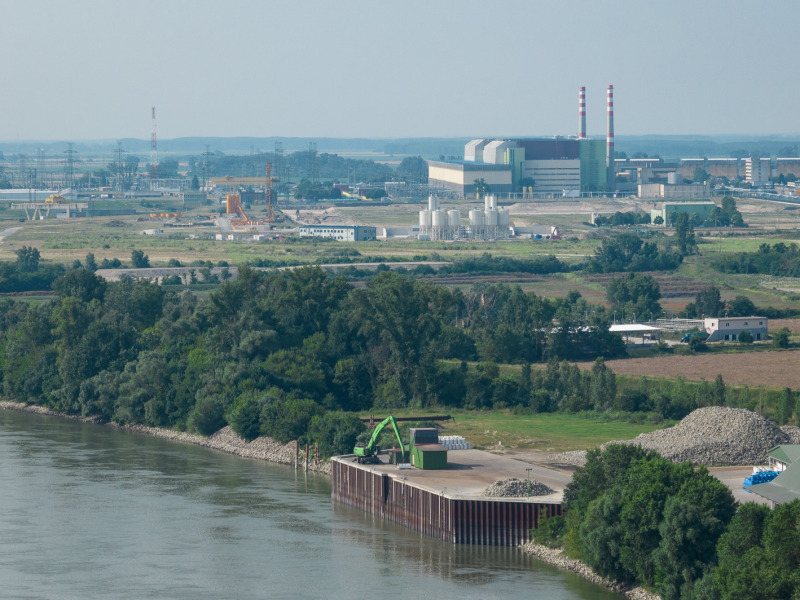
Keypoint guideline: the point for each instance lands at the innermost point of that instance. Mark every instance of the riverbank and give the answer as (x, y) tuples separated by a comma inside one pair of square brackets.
[(225, 440), (556, 558)]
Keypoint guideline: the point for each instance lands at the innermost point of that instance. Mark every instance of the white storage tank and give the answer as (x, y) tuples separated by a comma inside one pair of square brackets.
[(454, 218), (425, 218), (439, 218), (502, 216), (491, 218), (476, 218), (433, 203), (490, 203)]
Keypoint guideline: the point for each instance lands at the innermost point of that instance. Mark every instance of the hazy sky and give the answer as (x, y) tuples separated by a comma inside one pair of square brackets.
[(90, 69)]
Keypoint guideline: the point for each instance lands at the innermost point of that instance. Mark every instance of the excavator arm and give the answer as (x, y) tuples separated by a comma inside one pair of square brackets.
[(368, 452)]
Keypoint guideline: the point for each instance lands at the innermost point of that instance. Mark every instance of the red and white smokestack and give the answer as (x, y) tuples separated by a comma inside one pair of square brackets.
[(582, 113), (610, 131)]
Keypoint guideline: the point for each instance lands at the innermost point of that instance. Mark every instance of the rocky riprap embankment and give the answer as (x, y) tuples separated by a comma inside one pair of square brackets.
[(225, 439), (556, 557), (516, 488), (716, 436)]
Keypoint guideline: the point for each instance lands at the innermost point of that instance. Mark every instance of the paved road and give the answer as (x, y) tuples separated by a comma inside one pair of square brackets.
[(10, 231)]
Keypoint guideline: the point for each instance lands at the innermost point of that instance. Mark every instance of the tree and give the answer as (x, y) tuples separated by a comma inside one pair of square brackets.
[(746, 337), (481, 188), (634, 294), (707, 303), (740, 306), (780, 339), (659, 220), (195, 182), (685, 234), (700, 175), (413, 169), (785, 407), (27, 259), (91, 265), (139, 260)]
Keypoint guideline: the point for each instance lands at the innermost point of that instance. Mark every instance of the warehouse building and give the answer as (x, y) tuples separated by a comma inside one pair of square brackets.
[(701, 209), (786, 486), (460, 177), (345, 233)]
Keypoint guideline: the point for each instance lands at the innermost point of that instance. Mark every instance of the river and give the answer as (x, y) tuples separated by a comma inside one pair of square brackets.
[(88, 511)]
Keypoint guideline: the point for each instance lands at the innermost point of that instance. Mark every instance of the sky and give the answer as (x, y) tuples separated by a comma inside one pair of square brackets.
[(92, 69)]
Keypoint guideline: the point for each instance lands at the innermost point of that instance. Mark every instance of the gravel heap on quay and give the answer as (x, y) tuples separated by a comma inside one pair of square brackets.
[(716, 436), (516, 488)]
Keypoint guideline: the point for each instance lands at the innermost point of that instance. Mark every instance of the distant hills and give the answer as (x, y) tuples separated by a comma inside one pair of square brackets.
[(666, 146)]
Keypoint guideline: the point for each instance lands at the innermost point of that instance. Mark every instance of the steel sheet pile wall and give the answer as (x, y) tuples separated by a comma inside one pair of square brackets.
[(481, 522)]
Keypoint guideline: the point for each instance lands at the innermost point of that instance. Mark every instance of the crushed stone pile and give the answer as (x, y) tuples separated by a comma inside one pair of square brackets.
[(793, 433), (516, 488), (716, 436)]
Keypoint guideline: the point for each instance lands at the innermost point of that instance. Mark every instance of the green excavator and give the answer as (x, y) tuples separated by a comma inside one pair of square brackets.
[(368, 453)]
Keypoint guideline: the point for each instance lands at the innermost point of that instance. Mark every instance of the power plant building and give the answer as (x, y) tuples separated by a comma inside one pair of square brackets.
[(554, 165)]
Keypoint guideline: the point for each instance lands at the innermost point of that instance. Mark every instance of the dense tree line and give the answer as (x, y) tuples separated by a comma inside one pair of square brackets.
[(635, 517), (132, 351), (621, 219), (777, 259), (629, 252)]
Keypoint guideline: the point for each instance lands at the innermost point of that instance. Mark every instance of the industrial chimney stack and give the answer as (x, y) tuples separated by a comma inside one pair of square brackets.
[(582, 113), (610, 137)]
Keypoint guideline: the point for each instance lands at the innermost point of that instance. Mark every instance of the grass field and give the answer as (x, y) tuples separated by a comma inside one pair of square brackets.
[(546, 432)]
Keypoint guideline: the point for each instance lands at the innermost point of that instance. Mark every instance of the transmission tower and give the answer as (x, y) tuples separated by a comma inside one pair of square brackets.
[(153, 155), (278, 160), (268, 195), (312, 162), (69, 170), (119, 167), (206, 172), (40, 173)]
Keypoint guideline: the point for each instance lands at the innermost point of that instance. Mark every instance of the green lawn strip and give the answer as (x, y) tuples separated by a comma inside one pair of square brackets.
[(547, 431)]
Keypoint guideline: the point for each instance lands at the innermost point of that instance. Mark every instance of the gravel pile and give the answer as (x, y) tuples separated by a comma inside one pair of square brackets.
[(715, 436), (516, 488), (793, 433)]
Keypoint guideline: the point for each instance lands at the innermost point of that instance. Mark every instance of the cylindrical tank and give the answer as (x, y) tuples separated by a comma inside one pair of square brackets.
[(490, 202), (502, 217), (425, 218), (491, 218), (476, 218), (439, 218), (674, 178), (454, 218), (433, 203)]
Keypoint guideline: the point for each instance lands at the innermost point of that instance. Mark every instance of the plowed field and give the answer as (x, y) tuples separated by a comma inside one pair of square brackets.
[(773, 369)]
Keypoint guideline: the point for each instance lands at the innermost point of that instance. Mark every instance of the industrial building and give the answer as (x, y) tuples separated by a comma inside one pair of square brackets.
[(547, 165), (675, 189), (729, 328), (345, 233), (668, 209), (785, 487)]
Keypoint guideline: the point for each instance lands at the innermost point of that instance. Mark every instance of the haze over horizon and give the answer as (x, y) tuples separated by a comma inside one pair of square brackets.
[(90, 70)]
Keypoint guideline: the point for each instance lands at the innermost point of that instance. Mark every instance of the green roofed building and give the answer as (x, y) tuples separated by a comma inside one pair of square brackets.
[(786, 486)]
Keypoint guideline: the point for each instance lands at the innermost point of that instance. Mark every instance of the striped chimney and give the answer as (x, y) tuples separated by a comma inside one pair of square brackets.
[(610, 132), (582, 113)]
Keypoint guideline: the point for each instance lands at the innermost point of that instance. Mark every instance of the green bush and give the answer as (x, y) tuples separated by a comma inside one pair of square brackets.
[(745, 337), (208, 416)]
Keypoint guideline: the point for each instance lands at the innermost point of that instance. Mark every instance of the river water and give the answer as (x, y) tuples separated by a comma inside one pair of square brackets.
[(88, 511)]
